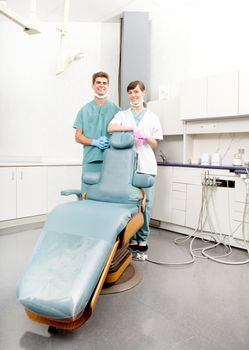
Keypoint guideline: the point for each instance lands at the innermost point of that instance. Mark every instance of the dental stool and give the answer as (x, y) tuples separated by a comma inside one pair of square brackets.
[(84, 244)]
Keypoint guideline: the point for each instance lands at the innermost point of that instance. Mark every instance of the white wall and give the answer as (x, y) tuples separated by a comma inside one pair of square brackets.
[(38, 108), (203, 38)]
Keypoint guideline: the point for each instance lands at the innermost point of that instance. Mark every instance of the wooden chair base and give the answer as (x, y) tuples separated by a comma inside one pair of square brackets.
[(67, 324)]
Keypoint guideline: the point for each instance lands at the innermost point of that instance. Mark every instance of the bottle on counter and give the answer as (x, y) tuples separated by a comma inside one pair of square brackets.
[(238, 158)]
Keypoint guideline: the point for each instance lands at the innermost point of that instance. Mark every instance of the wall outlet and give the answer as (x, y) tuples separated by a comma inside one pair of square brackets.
[(163, 92)]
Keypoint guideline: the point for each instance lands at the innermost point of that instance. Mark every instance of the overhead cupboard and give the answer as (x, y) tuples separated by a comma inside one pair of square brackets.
[(217, 104), (215, 96)]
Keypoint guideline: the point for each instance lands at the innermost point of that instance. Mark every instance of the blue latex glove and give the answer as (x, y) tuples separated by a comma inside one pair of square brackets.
[(102, 142)]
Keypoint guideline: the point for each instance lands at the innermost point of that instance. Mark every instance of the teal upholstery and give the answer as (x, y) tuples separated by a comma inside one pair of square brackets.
[(78, 237), (91, 178), (70, 192)]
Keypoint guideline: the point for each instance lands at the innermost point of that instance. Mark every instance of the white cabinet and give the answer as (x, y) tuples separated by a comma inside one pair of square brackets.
[(31, 191), (168, 113), (162, 199), (8, 193), (34, 190), (180, 202), (23, 192), (238, 214), (223, 95), (193, 205), (243, 92), (62, 178), (178, 205), (193, 99), (210, 97)]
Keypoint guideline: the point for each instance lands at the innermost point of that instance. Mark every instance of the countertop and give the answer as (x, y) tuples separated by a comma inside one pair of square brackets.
[(231, 168), (45, 163)]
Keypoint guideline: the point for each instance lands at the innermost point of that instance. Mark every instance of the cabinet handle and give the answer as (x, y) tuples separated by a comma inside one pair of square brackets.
[(21, 175), (12, 175)]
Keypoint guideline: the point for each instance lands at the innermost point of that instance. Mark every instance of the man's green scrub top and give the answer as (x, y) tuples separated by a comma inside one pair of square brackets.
[(93, 121)]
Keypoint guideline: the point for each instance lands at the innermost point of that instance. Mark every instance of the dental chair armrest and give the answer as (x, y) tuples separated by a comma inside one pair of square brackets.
[(143, 180), (91, 178), (70, 192)]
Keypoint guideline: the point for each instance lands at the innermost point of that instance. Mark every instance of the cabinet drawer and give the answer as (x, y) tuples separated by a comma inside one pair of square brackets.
[(202, 127), (176, 186), (187, 175)]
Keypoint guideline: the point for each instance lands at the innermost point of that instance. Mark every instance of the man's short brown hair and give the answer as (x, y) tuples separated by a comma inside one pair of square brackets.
[(100, 75)]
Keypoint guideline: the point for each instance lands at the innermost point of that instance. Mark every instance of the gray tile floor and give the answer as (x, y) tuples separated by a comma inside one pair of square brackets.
[(201, 306)]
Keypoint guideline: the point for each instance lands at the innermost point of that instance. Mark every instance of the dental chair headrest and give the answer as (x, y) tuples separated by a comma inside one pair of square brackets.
[(122, 140)]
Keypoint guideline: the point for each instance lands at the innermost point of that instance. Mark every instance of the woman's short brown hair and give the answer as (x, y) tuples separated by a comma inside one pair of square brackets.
[(100, 75), (135, 83)]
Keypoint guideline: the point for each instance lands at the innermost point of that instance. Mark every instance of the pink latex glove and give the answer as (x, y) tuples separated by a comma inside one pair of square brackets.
[(140, 136)]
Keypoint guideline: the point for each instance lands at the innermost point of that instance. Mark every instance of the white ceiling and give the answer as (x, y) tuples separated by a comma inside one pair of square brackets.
[(95, 10)]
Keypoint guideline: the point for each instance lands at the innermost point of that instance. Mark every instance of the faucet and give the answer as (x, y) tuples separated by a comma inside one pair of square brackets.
[(163, 156)]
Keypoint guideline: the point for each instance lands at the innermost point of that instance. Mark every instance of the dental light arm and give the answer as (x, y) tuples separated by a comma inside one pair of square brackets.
[(30, 25)]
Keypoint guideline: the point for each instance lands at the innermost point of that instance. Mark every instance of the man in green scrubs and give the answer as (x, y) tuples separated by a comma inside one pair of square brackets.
[(91, 125)]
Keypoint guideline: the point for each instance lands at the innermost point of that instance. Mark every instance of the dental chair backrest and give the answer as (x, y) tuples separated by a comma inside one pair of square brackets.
[(118, 181)]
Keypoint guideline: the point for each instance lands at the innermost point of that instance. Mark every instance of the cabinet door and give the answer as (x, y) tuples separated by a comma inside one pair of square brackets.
[(31, 191), (62, 178), (243, 92), (223, 95), (193, 205), (238, 208), (168, 112), (193, 99), (8, 193), (162, 201)]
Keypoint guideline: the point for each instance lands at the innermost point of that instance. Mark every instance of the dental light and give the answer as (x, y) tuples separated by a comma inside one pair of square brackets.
[(29, 25), (67, 58), (66, 55)]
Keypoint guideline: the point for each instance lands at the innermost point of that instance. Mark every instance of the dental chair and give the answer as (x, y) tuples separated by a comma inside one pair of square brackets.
[(84, 244)]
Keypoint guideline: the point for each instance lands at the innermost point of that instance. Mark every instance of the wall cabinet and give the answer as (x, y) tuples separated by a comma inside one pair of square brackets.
[(244, 93), (216, 104), (210, 97), (169, 115), (223, 95), (193, 99)]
